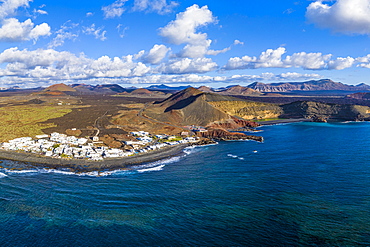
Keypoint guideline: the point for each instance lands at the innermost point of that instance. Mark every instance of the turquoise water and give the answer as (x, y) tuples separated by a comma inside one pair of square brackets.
[(307, 184)]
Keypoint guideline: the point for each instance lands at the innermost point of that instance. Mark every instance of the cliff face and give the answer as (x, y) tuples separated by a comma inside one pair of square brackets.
[(318, 110), (224, 135), (360, 96), (248, 109)]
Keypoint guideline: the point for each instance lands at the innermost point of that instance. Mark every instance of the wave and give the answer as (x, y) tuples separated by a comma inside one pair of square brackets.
[(157, 168), (11, 171), (235, 156), (149, 167), (157, 165)]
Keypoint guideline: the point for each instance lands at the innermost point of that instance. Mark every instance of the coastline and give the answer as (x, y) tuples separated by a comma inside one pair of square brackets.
[(284, 121), (80, 165)]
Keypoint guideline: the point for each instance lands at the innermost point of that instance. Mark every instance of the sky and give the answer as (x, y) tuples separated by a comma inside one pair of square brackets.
[(183, 42)]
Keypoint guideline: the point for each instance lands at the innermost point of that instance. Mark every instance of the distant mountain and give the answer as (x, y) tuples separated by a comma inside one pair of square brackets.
[(144, 92), (165, 87), (314, 85), (239, 90), (98, 89), (59, 87), (206, 89)]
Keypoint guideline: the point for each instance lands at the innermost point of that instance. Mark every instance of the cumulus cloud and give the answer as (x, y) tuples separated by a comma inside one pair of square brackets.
[(184, 30), (158, 6), (12, 30), (64, 66), (274, 59), (115, 9), (98, 33), (308, 60), (204, 79), (344, 16), (156, 54), (341, 63), (187, 65)]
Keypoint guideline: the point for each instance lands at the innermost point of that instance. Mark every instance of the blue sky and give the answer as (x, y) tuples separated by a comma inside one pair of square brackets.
[(199, 42)]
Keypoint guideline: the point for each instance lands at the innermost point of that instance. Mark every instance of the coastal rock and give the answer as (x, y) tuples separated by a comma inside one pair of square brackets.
[(203, 142), (224, 135)]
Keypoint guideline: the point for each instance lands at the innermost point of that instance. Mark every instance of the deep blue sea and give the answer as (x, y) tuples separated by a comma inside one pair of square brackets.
[(308, 184)]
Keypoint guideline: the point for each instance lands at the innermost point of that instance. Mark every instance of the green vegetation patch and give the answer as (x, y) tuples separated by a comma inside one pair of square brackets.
[(27, 120)]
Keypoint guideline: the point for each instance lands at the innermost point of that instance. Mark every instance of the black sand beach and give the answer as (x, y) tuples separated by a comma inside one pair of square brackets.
[(79, 165)]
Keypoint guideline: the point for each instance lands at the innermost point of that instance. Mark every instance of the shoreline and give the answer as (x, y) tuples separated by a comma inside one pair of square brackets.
[(80, 165), (284, 121)]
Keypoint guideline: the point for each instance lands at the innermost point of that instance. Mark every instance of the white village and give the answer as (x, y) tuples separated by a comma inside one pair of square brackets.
[(58, 145)]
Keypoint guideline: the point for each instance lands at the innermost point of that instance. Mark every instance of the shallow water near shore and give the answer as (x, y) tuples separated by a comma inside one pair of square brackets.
[(307, 184)]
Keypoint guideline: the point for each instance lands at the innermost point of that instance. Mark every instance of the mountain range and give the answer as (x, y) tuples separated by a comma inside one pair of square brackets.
[(314, 85)]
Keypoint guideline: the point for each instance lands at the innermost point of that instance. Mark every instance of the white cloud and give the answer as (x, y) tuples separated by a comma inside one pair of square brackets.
[(40, 11), (268, 59), (183, 30), (12, 30), (89, 14), (158, 6), (341, 63), (308, 60), (63, 66), (98, 33), (121, 30), (344, 16), (115, 9), (238, 42), (156, 54), (9, 7), (274, 59), (187, 65), (66, 32)]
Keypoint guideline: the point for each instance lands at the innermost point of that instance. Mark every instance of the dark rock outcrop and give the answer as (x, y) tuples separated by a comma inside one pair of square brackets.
[(224, 135)]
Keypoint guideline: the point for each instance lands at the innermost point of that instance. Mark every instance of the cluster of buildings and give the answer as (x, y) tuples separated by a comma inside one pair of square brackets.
[(62, 146)]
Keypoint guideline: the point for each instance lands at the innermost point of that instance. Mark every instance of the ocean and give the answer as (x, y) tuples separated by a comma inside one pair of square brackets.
[(308, 184)]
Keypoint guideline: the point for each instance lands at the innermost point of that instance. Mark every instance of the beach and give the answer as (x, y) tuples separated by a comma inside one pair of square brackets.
[(81, 165)]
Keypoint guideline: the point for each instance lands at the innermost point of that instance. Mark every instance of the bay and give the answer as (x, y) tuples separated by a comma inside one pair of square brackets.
[(308, 184)]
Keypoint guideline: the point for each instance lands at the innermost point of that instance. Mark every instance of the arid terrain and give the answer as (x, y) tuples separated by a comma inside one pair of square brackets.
[(111, 112)]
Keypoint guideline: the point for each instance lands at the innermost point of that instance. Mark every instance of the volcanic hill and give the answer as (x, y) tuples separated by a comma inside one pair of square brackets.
[(194, 107)]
